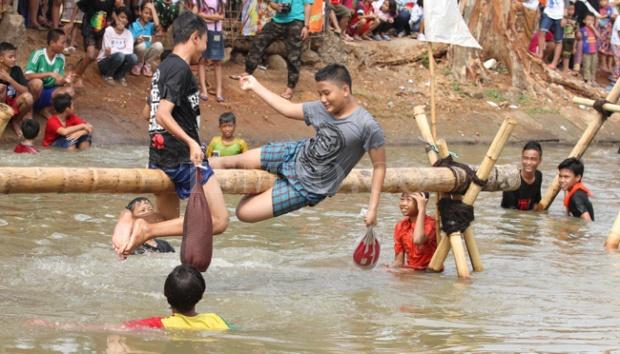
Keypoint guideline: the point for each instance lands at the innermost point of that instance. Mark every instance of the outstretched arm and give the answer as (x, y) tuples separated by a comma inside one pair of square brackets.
[(377, 156), (280, 104)]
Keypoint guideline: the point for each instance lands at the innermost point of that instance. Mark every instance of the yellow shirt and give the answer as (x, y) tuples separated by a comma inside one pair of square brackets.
[(218, 148), (200, 322)]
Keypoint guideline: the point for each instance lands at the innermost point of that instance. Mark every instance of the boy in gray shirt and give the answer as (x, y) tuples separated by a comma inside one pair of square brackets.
[(311, 169)]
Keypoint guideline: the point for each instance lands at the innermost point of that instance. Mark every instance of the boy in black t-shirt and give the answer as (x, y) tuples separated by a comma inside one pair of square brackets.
[(527, 196), (13, 87), (577, 200), (175, 143)]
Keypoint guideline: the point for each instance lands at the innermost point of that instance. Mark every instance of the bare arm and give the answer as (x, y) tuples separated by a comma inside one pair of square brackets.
[(72, 129), (154, 13), (280, 104), (418, 231), (165, 119), (7, 77), (377, 156)]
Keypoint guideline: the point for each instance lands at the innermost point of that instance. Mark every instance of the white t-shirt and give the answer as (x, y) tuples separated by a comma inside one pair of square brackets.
[(122, 42), (531, 4), (615, 39), (555, 9)]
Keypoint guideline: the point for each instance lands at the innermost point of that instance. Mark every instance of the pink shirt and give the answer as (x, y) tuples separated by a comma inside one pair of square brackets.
[(211, 7)]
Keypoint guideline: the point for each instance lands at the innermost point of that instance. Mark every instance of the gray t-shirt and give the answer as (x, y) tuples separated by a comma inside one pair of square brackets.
[(327, 158)]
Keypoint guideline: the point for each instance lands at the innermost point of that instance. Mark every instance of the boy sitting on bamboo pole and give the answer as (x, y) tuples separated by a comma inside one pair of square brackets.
[(311, 169)]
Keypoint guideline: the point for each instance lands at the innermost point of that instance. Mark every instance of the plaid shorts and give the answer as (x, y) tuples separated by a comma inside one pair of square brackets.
[(288, 194)]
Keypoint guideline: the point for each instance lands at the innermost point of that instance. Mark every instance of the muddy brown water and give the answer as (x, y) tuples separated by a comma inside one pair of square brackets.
[(289, 284)]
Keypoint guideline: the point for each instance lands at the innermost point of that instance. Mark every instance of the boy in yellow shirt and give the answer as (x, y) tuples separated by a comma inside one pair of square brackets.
[(227, 144)]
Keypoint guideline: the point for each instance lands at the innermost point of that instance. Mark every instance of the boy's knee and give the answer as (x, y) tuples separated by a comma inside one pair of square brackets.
[(220, 224), (35, 85), (26, 99), (158, 47)]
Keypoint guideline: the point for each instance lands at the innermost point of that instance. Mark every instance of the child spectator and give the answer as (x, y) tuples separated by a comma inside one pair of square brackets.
[(571, 30), (65, 129), (414, 236), (340, 16), (71, 15), (551, 22), (416, 21), (364, 21), (385, 10), (184, 288), (590, 38), (30, 130), (227, 144), (45, 72), (212, 11), (576, 200), (116, 57), (528, 195), (14, 86), (615, 48), (143, 30), (605, 24)]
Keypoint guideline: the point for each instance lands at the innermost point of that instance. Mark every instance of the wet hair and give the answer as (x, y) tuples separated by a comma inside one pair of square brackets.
[(533, 145), (228, 117), (573, 164), (54, 34), (133, 202), (165, 54), (336, 73), (6, 46), (184, 288), (61, 102), (185, 25), (427, 195), (30, 128)]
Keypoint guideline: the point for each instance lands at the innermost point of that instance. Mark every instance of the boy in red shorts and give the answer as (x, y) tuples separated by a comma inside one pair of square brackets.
[(414, 236), (13, 87)]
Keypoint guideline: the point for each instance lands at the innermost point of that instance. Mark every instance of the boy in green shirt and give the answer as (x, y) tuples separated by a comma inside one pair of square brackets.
[(227, 144)]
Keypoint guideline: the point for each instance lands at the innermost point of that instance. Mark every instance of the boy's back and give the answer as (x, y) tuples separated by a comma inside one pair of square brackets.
[(177, 321)]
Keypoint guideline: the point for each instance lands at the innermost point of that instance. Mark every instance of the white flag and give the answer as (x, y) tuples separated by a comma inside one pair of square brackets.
[(443, 23)]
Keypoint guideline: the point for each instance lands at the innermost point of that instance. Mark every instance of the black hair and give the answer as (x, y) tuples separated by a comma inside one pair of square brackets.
[(533, 145), (54, 34), (118, 11), (6, 46), (392, 6), (586, 15), (184, 288), (165, 54), (336, 73), (228, 117), (30, 128), (427, 195), (61, 102), (133, 202), (573, 164), (185, 25)]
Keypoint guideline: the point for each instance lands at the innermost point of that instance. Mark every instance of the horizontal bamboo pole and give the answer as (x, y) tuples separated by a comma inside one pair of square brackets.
[(135, 180), (610, 107)]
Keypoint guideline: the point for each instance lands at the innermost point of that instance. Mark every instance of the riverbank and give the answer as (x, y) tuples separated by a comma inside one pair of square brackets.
[(386, 81)]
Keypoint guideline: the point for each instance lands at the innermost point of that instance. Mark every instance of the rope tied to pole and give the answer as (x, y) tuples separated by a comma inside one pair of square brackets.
[(460, 187), (598, 106), (456, 216)]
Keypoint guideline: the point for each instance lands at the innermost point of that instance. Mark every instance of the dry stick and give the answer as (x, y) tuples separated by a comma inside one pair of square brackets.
[(581, 147), (614, 236), (470, 196), (431, 65), (6, 112)]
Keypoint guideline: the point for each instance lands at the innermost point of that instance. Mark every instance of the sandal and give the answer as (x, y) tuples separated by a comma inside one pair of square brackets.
[(219, 99), (204, 97)]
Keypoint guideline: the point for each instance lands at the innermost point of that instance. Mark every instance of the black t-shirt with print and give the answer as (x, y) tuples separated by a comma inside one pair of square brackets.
[(579, 204), (174, 82), (526, 196), (91, 7), (16, 74)]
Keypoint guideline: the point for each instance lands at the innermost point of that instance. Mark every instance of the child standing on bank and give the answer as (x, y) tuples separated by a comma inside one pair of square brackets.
[(414, 236), (571, 31), (65, 129), (576, 201), (590, 38), (615, 48), (227, 144), (605, 24)]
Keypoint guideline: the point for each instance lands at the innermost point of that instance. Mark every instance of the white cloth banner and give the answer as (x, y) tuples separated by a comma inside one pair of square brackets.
[(443, 23)]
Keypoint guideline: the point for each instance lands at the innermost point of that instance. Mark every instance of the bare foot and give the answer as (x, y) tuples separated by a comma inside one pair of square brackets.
[(122, 231), (139, 235), (288, 93)]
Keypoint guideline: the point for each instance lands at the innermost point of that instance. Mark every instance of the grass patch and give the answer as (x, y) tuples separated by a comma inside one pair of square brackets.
[(537, 110), (494, 95)]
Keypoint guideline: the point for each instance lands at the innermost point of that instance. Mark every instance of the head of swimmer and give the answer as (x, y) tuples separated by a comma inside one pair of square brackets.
[(183, 289), (334, 87), (140, 207), (409, 203), (531, 156)]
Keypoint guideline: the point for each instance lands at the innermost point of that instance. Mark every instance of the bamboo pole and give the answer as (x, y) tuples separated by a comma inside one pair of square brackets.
[(127, 180), (613, 240), (443, 153), (495, 149), (6, 112), (610, 107), (580, 148), (459, 254), (431, 66)]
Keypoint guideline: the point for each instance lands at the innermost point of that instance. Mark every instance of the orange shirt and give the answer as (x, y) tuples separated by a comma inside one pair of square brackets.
[(417, 256)]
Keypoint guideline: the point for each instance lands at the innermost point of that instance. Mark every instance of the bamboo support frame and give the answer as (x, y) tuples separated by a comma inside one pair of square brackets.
[(613, 240), (125, 180), (610, 107), (495, 149), (581, 147)]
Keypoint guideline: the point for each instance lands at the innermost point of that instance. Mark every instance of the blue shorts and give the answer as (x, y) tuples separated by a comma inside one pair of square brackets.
[(288, 194), (215, 46), (184, 176), (547, 23), (64, 143), (45, 99)]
